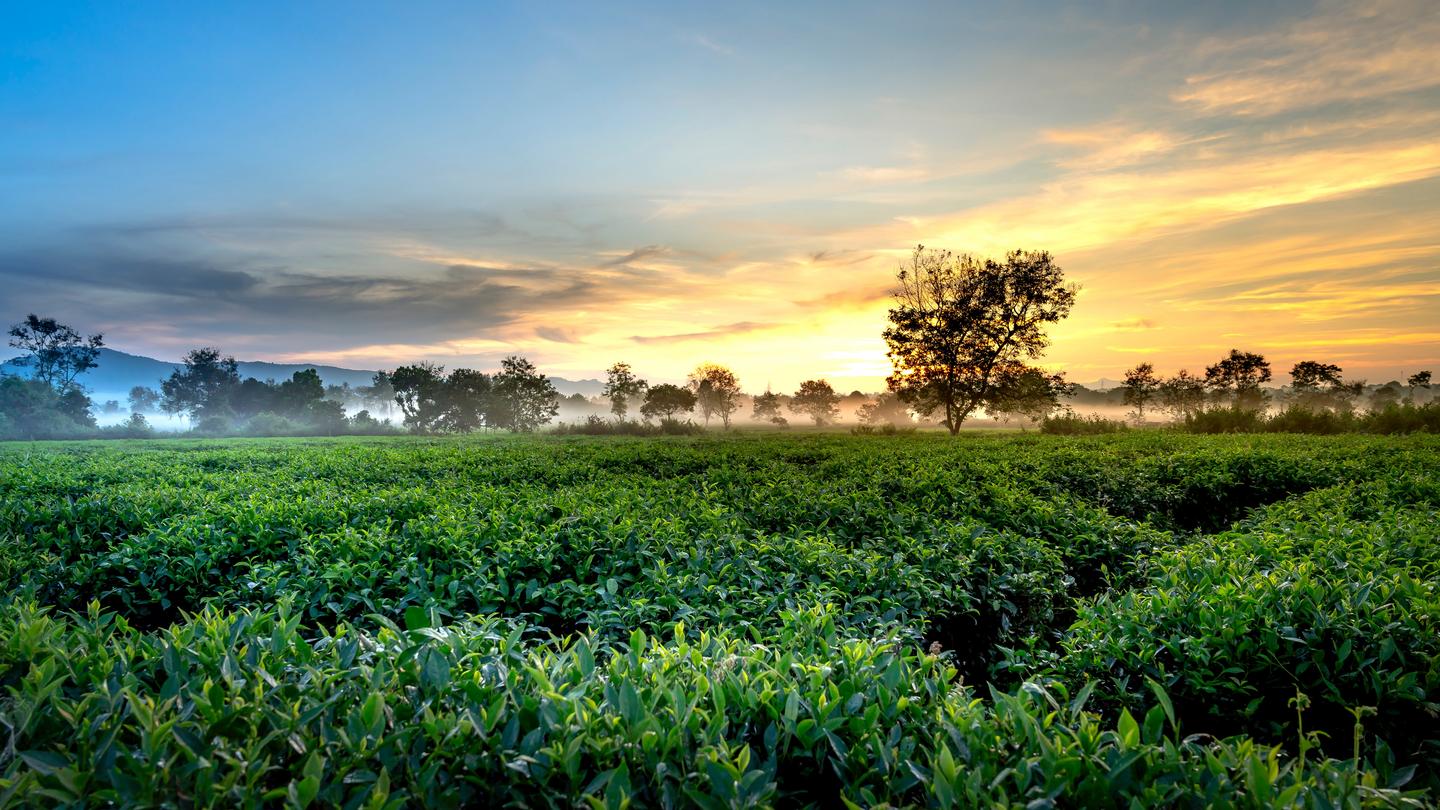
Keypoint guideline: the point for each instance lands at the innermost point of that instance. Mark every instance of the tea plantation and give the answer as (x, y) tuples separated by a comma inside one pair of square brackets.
[(1135, 620)]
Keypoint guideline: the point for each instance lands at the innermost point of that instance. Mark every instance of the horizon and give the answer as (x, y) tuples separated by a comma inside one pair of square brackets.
[(366, 188)]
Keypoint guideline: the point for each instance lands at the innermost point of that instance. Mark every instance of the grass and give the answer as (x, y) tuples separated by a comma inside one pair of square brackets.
[(736, 620)]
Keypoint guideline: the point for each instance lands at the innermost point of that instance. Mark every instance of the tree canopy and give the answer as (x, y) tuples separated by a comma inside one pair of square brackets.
[(960, 321)]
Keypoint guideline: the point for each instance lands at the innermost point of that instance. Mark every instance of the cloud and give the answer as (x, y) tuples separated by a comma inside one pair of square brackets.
[(711, 45), (1352, 51), (728, 330), (884, 174), (638, 255)]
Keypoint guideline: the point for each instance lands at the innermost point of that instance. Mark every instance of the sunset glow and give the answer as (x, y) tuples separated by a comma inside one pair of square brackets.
[(591, 184)]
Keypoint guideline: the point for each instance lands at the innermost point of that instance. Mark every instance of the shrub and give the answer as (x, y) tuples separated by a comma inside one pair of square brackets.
[(1224, 420), (1071, 424)]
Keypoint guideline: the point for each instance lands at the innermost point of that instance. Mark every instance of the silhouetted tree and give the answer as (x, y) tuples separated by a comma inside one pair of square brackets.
[(817, 400), (1026, 393), (1141, 386), (467, 401), (420, 391), (524, 398), (716, 389), (1418, 380), (1318, 385), (56, 352), (622, 386), (143, 399), (201, 387), (1238, 377), (1183, 395), (959, 320), (665, 401), (296, 396)]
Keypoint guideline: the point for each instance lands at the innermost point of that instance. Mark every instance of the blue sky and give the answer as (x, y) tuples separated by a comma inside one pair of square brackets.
[(369, 183)]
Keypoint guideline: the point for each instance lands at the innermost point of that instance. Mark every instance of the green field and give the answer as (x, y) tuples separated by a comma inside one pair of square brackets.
[(995, 620)]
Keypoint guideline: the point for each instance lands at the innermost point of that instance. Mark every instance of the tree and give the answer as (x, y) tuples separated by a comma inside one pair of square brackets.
[(380, 394), (1418, 380), (664, 401), (1141, 386), (716, 388), (1238, 377), (1026, 393), (1183, 395), (766, 408), (621, 386), (524, 398), (296, 396), (959, 320), (57, 352), (887, 409), (817, 400), (202, 385), (1319, 385), (466, 401), (419, 391), (32, 409), (143, 399)]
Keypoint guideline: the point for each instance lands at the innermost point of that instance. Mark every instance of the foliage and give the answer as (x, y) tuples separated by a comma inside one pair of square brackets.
[(716, 391), (523, 398), (57, 352), (1026, 393), (1141, 386), (666, 400), (959, 321), (721, 620), (817, 400), (1236, 379), (200, 387), (1070, 423), (621, 386)]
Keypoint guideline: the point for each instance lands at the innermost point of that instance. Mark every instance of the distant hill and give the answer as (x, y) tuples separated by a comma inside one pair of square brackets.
[(116, 372)]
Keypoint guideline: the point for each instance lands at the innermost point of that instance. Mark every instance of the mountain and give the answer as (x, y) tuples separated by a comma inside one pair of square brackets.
[(116, 372)]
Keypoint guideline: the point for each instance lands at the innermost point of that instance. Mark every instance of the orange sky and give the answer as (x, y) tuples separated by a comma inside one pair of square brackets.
[(743, 192)]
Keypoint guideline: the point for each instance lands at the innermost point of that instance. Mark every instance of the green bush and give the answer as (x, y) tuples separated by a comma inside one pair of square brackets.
[(1072, 424), (986, 580)]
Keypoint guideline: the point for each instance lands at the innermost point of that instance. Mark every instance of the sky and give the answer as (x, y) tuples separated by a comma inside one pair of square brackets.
[(370, 184)]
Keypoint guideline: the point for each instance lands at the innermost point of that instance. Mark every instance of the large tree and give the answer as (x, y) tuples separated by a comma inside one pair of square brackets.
[(960, 321), (1141, 386), (524, 398), (57, 353), (420, 393), (664, 401), (817, 400), (716, 391), (467, 401), (203, 384), (622, 386), (1238, 377)]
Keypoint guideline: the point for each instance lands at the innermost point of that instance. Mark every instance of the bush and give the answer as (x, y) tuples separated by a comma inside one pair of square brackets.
[(1071, 424), (1225, 420), (1300, 419), (224, 710), (881, 430), (273, 424), (1404, 417)]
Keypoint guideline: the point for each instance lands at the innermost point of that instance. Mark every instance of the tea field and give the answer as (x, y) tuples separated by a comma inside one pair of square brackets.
[(1135, 620)]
